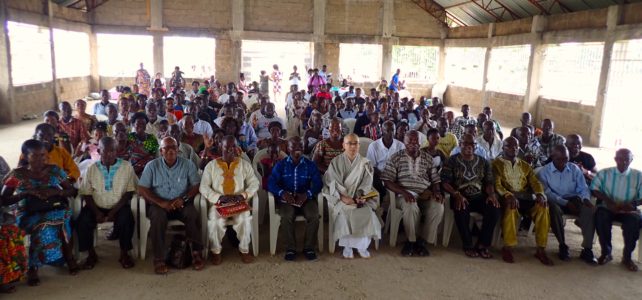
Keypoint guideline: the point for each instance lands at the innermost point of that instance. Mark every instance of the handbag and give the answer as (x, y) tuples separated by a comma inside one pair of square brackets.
[(179, 255), (231, 209), (37, 205)]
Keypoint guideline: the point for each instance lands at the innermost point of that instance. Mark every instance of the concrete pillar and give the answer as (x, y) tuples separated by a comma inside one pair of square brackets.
[(489, 47), (387, 32), (7, 113), (94, 84), (54, 81), (612, 20), (156, 15), (238, 26), (534, 66), (318, 32), (159, 62), (441, 75), (331, 54)]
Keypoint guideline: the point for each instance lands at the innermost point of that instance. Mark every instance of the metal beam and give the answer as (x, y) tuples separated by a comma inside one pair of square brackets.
[(496, 9), (435, 10), (548, 11)]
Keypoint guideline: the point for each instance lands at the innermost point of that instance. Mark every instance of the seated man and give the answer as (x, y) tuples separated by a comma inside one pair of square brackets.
[(411, 173), (529, 148), (347, 181), (107, 189), (472, 130), (489, 140), (447, 140), (295, 182), (517, 185), (380, 151), (168, 185), (468, 178), (568, 193), (56, 155), (582, 159), (229, 180), (618, 191), (549, 139), (263, 121)]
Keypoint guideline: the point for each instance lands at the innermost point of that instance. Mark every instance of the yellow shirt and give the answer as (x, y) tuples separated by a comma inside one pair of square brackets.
[(447, 143), (60, 157), (515, 178)]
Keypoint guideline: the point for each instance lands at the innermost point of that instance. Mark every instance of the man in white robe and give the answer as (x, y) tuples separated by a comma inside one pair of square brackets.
[(347, 180)]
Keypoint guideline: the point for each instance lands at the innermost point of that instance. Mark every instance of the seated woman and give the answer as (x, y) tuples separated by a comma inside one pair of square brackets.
[(314, 134), (212, 148), (275, 129), (81, 113), (143, 147), (347, 180), (268, 162), (36, 183), (328, 149), (89, 150), (189, 136), (122, 141)]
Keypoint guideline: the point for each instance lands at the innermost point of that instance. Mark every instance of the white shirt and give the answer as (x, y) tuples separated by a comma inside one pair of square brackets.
[(123, 181), (347, 114), (203, 128), (262, 123), (378, 154), (492, 151), (223, 98)]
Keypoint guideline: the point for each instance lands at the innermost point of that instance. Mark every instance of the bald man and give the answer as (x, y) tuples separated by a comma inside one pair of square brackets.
[(520, 193), (168, 185), (568, 193), (618, 191)]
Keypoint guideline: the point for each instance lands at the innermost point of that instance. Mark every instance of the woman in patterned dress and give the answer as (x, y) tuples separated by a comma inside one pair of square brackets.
[(276, 77), (50, 231), (142, 146), (329, 148)]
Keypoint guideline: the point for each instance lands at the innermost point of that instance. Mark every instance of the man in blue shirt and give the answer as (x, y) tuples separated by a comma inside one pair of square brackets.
[(100, 108), (567, 193), (168, 185), (394, 82), (618, 191), (295, 181)]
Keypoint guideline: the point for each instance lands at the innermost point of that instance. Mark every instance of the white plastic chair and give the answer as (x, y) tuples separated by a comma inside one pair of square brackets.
[(255, 226), (364, 143), (76, 206), (331, 238), (275, 222), (145, 224), (258, 170), (350, 122), (394, 218)]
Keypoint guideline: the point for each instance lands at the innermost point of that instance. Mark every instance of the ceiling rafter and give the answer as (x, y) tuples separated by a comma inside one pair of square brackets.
[(496, 9), (548, 11), (442, 16)]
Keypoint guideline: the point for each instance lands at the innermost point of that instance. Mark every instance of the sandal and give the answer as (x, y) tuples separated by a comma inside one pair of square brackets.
[(543, 258), (90, 263), (197, 261), (32, 278), (507, 255), (630, 265), (484, 253), (160, 268), (471, 253), (126, 262), (73, 268)]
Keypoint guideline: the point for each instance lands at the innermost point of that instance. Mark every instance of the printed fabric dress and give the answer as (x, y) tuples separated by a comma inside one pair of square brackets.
[(13, 255), (276, 76), (48, 230), (141, 152)]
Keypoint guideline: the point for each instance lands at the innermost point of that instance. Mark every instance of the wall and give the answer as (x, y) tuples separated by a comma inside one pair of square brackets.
[(33, 99), (353, 17), (279, 15), (108, 83), (122, 12), (197, 14), (413, 22), (72, 89), (456, 96), (569, 117)]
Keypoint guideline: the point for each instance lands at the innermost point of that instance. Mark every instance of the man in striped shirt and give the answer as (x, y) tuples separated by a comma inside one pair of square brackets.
[(412, 174), (618, 191)]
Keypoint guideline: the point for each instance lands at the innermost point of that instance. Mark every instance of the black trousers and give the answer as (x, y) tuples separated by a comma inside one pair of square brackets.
[(630, 230), (462, 219), (378, 185), (159, 219), (123, 227), (310, 211)]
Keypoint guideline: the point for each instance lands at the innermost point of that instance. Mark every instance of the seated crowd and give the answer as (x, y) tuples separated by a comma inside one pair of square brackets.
[(181, 143)]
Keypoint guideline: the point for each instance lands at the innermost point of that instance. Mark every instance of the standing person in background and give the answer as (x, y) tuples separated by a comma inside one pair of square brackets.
[(263, 84), (276, 77), (394, 82), (295, 78), (143, 80)]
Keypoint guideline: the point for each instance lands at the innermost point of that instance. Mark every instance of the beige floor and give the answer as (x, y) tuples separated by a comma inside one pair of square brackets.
[(446, 274)]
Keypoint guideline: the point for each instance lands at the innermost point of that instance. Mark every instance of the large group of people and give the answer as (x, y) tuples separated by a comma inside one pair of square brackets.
[(170, 144)]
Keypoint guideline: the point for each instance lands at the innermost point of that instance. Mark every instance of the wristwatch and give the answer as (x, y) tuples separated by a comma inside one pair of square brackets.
[(185, 199)]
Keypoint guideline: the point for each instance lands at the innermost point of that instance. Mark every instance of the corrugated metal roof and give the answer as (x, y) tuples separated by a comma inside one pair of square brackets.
[(475, 12)]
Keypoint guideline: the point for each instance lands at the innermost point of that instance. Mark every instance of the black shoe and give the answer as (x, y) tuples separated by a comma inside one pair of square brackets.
[(290, 255), (563, 254), (604, 259), (310, 254), (587, 256), (420, 249), (407, 249)]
